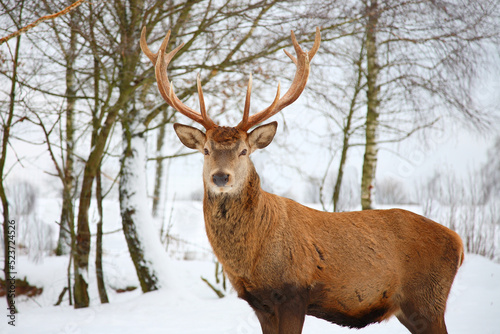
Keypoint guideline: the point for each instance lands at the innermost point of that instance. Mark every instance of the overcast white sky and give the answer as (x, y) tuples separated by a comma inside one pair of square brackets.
[(458, 148)]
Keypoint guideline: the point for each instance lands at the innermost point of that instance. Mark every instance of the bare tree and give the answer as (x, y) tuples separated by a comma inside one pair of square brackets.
[(428, 64), (69, 50), (344, 114), (391, 191), (8, 120), (466, 204), (419, 63), (159, 170), (490, 173), (103, 122), (372, 112), (348, 128), (61, 149)]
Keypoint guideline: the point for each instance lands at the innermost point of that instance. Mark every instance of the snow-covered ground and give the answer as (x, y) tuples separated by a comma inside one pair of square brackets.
[(189, 306)]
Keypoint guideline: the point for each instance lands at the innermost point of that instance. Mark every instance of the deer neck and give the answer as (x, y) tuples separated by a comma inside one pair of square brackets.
[(230, 223)]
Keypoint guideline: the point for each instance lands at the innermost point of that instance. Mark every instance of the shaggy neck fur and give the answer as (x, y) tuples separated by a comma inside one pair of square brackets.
[(231, 223)]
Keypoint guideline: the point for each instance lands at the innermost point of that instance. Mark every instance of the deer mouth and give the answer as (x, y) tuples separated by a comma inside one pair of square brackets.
[(223, 189)]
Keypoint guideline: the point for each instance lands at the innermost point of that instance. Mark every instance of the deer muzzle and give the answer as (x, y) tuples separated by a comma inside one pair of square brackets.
[(220, 179)]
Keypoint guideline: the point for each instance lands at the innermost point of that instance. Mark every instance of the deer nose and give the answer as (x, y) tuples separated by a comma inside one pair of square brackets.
[(220, 179)]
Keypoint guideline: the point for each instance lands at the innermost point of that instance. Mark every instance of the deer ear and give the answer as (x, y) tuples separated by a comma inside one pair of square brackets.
[(262, 136), (190, 137)]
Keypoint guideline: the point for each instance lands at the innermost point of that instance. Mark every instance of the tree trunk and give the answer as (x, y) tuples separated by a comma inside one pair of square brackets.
[(143, 239), (98, 257), (5, 203), (159, 168), (347, 131), (129, 55), (67, 211), (67, 218), (82, 248), (343, 157), (7, 241), (371, 148)]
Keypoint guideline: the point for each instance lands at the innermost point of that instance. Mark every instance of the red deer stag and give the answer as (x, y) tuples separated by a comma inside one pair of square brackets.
[(287, 260)]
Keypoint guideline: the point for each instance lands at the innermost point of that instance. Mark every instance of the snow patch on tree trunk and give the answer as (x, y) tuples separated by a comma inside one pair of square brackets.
[(141, 232)]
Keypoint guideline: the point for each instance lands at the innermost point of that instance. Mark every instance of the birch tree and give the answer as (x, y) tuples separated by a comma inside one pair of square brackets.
[(372, 105), (68, 46), (422, 59), (420, 63)]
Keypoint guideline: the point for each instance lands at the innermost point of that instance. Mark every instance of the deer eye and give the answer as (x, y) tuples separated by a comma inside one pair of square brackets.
[(206, 152), (244, 152)]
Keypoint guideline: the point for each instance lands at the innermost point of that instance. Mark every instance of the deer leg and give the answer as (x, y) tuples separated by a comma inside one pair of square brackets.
[(437, 326), (264, 308), (268, 322), (280, 311), (291, 315), (285, 318), (408, 324), (421, 324)]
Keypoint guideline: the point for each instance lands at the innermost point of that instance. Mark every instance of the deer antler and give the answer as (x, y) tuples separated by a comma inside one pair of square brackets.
[(299, 82), (160, 61)]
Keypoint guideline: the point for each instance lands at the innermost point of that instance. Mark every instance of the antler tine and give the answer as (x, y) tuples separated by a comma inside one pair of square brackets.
[(161, 61), (311, 53), (245, 124), (144, 46), (246, 111), (200, 95), (165, 87), (317, 42), (299, 82), (203, 110), (291, 56)]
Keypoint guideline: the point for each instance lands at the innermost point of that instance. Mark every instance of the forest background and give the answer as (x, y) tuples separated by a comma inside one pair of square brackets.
[(401, 108)]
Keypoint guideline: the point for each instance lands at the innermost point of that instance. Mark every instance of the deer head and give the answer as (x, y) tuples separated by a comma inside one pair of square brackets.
[(227, 149)]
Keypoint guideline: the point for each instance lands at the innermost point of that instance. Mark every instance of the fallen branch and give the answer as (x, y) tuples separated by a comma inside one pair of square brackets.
[(217, 291), (61, 296)]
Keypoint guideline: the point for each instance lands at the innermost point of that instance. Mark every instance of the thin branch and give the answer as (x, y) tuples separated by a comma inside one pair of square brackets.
[(60, 173), (40, 20), (172, 156)]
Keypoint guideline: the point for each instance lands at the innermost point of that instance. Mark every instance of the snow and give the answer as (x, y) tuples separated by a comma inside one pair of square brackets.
[(473, 307), (133, 185)]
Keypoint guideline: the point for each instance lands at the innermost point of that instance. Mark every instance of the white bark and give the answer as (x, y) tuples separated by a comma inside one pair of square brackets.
[(141, 232)]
